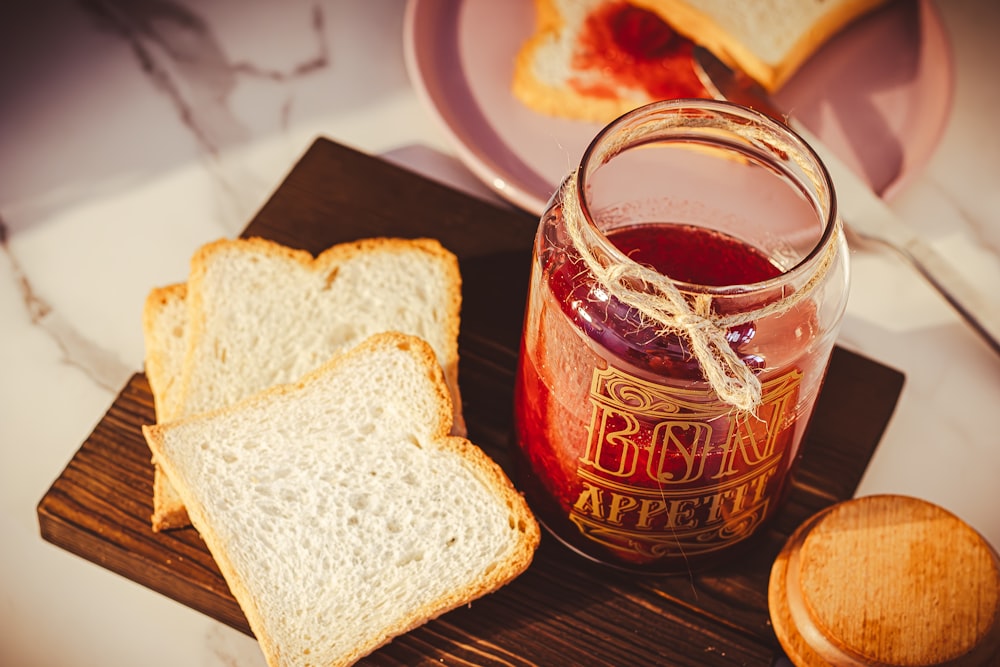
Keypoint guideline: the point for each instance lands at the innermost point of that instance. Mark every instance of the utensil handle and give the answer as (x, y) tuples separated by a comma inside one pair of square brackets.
[(963, 296), (870, 217)]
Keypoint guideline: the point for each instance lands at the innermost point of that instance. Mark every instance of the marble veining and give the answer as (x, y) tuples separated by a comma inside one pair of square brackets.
[(177, 51), (99, 364), (180, 54)]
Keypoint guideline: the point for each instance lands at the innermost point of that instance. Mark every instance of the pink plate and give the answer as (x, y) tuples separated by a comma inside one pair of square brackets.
[(879, 94)]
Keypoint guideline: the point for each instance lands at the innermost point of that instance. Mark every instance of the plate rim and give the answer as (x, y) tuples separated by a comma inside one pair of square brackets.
[(510, 188)]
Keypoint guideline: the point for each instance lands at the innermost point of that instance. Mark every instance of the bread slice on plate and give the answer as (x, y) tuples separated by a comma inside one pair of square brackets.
[(767, 39), (594, 60), (255, 313), (597, 59), (340, 510)]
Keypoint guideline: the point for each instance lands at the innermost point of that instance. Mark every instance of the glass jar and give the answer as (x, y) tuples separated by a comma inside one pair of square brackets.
[(687, 284)]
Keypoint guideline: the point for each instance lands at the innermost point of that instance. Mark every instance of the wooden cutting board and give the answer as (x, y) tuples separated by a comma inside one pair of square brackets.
[(563, 610)]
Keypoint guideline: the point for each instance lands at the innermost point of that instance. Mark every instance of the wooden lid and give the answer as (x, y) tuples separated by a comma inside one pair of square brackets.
[(887, 580)]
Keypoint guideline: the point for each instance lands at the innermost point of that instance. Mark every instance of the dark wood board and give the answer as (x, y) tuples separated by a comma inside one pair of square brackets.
[(563, 610)]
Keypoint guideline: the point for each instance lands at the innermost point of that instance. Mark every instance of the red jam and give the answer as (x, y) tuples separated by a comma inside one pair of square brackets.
[(633, 460), (694, 255), (633, 47)]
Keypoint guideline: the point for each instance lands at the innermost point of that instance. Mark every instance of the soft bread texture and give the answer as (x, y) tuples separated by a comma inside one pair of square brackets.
[(338, 508), (256, 313), (767, 39)]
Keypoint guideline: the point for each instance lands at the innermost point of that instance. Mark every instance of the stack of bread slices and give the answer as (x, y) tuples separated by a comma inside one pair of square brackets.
[(309, 427), (557, 74)]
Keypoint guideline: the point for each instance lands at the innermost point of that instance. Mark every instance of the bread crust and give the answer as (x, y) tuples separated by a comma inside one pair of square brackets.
[(159, 371), (524, 526)]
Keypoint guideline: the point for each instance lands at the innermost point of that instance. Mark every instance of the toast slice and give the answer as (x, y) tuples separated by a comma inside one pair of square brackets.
[(769, 40), (594, 60), (256, 313), (338, 508)]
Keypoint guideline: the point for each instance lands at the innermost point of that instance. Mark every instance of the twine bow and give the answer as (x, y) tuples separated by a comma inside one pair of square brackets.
[(658, 300)]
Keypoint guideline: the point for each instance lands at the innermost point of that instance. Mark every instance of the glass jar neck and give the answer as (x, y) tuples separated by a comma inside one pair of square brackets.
[(726, 132), (678, 160)]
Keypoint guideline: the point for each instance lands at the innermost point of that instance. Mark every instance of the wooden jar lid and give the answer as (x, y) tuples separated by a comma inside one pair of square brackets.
[(887, 580)]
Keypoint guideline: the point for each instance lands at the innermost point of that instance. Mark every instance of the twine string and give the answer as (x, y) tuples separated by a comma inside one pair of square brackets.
[(659, 302)]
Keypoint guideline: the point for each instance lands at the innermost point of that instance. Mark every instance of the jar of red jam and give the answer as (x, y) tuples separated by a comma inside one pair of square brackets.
[(687, 284)]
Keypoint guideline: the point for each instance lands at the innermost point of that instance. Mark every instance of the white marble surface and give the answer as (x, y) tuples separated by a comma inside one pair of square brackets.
[(132, 132)]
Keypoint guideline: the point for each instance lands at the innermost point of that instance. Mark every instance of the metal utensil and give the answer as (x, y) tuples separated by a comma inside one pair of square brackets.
[(865, 214)]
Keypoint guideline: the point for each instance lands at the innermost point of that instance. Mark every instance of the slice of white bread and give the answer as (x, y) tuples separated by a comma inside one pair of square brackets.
[(768, 39), (258, 313), (338, 508)]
